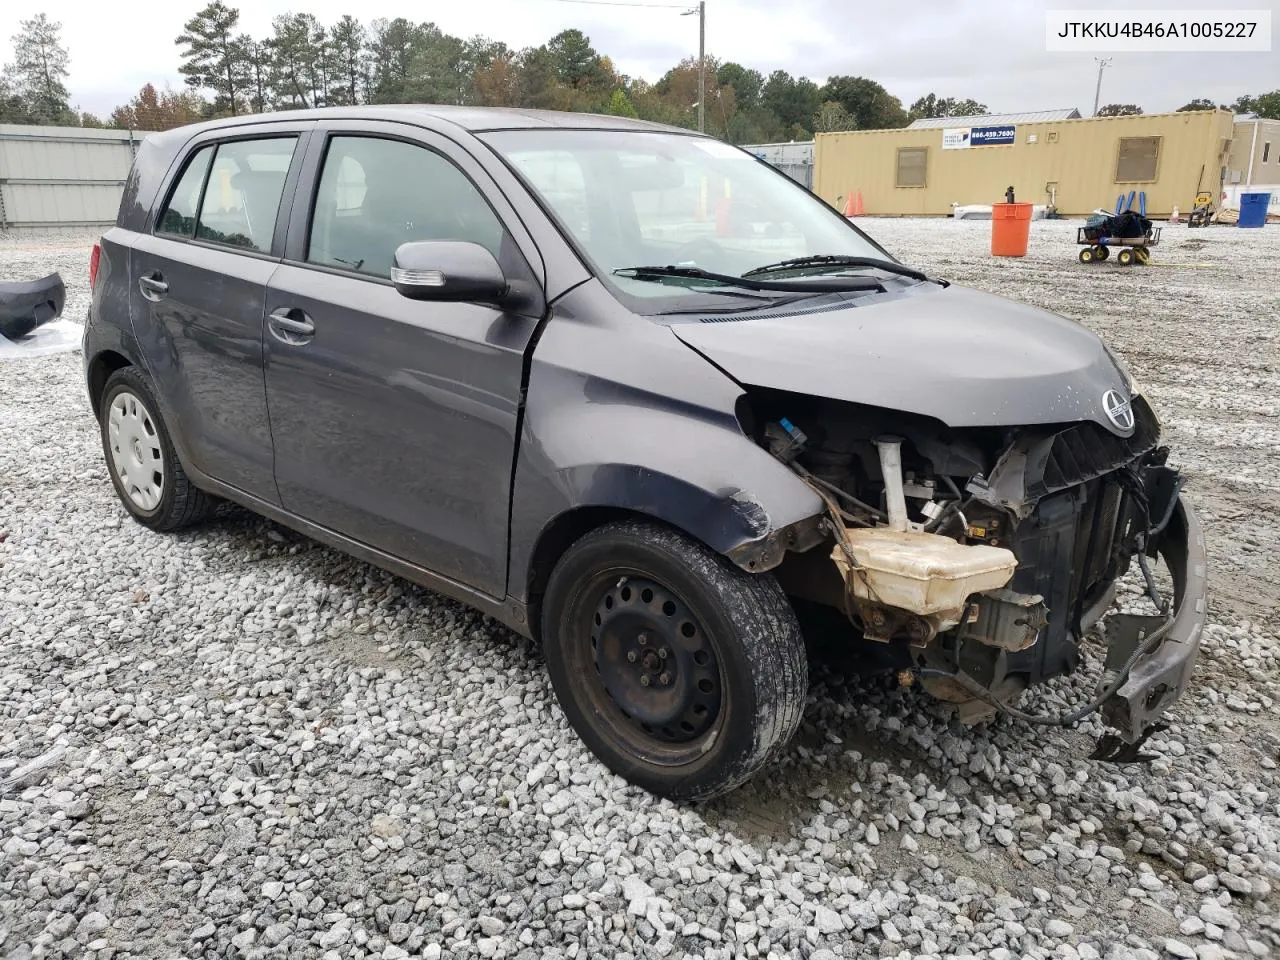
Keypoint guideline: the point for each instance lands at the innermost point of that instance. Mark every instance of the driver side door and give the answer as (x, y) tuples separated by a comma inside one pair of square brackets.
[(395, 420)]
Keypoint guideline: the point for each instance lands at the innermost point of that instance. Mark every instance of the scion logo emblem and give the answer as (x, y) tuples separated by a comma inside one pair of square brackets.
[(1118, 410)]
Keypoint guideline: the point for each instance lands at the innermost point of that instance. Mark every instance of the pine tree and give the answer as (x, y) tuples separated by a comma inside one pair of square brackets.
[(258, 54), (350, 61), (216, 57), (37, 76), (620, 105)]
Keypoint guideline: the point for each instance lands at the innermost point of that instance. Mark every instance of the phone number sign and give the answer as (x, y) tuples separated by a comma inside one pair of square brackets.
[(961, 138)]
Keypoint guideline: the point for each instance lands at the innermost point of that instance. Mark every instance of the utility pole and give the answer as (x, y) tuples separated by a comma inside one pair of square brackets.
[(1097, 92), (701, 11)]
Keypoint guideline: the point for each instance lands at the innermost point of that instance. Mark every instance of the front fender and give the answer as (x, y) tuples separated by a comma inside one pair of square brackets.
[(696, 471)]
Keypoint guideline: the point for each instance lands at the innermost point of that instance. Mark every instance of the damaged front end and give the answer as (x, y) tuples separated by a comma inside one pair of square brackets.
[(980, 558)]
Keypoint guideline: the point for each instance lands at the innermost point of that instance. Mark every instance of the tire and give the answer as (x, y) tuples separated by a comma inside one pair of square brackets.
[(1086, 254), (133, 437), (1141, 256), (1124, 257), (1101, 252), (722, 649)]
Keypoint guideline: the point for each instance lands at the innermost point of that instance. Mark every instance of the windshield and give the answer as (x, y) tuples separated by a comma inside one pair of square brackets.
[(632, 199)]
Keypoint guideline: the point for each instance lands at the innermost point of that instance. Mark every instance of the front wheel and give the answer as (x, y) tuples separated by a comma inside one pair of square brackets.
[(681, 672)]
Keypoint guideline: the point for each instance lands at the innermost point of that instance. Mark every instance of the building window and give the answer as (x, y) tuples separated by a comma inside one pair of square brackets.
[(1266, 151), (912, 162), (1137, 159)]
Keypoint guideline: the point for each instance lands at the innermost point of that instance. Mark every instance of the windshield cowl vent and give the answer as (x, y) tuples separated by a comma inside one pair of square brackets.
[(772, 314)]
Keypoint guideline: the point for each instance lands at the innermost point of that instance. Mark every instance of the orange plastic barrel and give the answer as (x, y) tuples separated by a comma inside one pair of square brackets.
[(1010, 229)]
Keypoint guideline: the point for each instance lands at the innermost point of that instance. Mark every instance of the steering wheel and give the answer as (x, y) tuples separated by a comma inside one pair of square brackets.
[(697, 250)]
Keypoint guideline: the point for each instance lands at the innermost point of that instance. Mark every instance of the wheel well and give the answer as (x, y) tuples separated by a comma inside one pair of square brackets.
[(558, 536), (100, 370)]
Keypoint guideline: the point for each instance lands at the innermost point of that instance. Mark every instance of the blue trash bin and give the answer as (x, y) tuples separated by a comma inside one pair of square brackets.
[(1253, 209)]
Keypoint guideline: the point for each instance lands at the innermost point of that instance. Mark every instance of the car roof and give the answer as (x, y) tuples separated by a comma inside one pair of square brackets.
[(473, 119)]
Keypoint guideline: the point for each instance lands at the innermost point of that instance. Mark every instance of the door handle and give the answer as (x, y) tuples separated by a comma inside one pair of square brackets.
[(152, 286), (290, 325)]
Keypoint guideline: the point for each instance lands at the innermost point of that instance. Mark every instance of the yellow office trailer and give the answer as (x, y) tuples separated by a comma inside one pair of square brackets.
[(1076, 165)]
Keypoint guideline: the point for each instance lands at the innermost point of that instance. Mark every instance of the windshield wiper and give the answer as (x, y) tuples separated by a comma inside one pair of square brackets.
[(837, 260), (658, 274)]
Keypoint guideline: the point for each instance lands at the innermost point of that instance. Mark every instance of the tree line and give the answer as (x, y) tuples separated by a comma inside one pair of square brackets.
[(305, 63)]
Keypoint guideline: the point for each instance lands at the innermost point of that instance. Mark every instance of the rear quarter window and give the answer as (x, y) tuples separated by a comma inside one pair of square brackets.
[(179, 215)]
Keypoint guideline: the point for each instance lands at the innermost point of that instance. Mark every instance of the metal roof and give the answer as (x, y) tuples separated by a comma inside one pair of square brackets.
[(995, 119)]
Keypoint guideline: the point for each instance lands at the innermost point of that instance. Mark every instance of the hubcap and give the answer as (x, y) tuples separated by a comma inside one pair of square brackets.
[(135, 450), (656, 662)]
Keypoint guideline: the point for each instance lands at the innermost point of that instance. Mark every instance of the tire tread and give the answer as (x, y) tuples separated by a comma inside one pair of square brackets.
[(768, 631)]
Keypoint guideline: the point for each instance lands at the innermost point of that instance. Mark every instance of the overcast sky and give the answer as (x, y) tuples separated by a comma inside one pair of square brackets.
[(990, 50)]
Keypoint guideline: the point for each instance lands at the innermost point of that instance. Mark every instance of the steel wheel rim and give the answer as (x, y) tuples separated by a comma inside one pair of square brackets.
[(667, 723), (136, 457)]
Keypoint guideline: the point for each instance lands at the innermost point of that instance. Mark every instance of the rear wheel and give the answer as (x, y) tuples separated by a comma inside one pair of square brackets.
[(144, 468), (1125, 257), (681, 672)]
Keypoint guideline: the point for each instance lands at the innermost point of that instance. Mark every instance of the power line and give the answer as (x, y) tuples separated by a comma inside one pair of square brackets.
[(624, 3)]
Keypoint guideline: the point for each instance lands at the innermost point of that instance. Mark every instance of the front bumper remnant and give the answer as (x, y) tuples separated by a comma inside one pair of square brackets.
[(1160, 676)]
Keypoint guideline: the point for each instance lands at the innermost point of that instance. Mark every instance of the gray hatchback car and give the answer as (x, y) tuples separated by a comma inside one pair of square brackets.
[(639, 396)]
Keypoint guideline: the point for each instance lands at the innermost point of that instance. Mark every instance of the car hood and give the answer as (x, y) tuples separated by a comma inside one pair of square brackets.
[(960, 356)]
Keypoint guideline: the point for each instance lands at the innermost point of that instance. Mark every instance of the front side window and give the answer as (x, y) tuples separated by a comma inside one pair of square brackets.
[(242, 198), (376, 194), (179, 217)]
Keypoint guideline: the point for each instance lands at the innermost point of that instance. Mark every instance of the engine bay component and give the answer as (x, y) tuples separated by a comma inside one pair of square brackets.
[(982, 557), (891, 469), (925, 574), (1009, 620)]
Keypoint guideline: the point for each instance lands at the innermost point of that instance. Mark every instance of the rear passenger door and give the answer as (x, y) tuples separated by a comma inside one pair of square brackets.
[(395, 420), (199, 278)]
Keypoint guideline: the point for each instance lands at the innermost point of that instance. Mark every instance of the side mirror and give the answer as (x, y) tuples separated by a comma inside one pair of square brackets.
[(448, 270)]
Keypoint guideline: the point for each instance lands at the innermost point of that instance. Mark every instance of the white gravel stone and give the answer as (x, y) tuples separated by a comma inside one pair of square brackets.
[(1191, 926), (827, 920), (1212, 912), (260, 746)]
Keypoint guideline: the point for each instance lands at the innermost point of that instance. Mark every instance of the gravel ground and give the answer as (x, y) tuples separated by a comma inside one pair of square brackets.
[(254, 746)]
